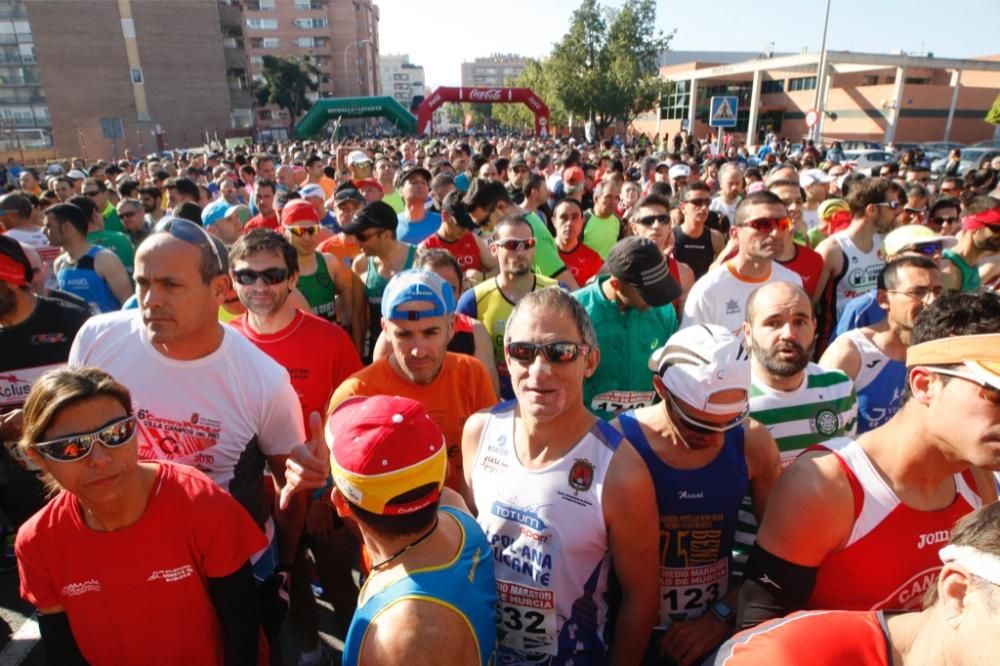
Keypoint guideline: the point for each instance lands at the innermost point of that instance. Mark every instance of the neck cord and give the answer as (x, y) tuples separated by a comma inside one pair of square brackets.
[(399, 553)]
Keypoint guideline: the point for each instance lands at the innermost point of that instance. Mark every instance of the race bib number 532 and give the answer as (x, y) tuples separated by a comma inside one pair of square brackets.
[(526, 618)]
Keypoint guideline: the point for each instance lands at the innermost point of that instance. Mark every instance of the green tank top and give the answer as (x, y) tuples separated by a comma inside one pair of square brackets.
[(970, 274), (319, 290), (374, 287)]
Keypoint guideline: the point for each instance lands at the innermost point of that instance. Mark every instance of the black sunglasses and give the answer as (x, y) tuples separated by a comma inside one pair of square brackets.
[(270, 276), (650, 220), (555, 352)]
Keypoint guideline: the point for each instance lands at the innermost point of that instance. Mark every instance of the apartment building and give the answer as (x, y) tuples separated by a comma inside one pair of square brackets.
[(493, 71), (401, 79)]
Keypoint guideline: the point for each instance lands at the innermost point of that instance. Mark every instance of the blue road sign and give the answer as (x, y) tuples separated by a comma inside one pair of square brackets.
[(723, 112)]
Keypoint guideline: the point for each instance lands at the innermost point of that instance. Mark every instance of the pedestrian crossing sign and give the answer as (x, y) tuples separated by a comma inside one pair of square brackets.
[(723, 112)]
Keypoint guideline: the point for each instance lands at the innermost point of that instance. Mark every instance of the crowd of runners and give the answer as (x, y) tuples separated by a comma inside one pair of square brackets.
[(502, 400)]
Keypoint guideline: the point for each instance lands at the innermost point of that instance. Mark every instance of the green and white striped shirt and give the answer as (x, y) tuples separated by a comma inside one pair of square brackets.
[(823, 407)]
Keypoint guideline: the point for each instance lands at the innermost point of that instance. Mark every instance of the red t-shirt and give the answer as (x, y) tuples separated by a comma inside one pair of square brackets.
[(258, 221), (318, 355), (583, 263), (465, 249), (139, 595), (808, 263)]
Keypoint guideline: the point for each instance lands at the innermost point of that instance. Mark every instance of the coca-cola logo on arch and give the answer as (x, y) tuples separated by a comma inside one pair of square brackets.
[(485, 94)]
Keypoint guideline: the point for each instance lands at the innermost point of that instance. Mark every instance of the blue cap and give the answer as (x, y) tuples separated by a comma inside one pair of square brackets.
[(415, 285), (214, 212)]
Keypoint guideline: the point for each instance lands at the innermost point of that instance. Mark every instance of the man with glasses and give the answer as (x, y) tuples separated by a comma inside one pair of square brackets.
[(416, 223), (917, 204), (945, 216), (796, 255), (720, 296), (561, 498), (951, 187), (650, 218), (981, 224), (703, 457), (874, 356), (97, 191), (696, 244), (204, 395), (134, 220), (382, 256), (858, 524), (492, 301)]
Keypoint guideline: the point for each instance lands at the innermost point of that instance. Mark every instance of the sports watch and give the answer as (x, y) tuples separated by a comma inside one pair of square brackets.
[(721, 610)]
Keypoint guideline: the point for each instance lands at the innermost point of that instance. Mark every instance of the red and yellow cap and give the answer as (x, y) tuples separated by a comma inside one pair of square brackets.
[(382, 447)]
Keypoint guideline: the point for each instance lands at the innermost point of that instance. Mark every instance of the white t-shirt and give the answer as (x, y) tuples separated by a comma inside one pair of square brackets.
[(222, 414), (720, 296), (722, 208)]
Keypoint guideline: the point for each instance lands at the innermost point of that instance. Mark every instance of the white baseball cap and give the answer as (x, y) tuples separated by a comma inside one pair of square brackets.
[(814, 176), (679, 171), (357, 157)]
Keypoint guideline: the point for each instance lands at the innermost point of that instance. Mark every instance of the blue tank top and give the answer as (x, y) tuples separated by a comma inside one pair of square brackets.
[(466, 585), (880, 383), (83, 280), (699, 509)]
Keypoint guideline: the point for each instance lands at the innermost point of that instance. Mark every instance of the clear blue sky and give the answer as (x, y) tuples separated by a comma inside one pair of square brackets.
[(441, 34)]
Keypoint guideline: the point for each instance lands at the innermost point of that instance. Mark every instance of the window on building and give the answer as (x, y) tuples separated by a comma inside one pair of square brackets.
[(257, 60), (262, 24), (128, 28), (803, 83), (270, 43), (918, 80), (870, 80), (769, 87), (400, 77), (674, 104), (305, 42), (136, 74), (310, 23), (302, 5), (229, 42), (266, 5)]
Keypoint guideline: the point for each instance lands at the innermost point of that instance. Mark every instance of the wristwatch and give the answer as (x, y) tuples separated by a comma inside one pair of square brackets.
[(721, 610)]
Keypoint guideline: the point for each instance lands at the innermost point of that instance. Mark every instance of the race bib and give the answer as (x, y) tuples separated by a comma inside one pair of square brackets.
[(621, 401), (687, 592), (526, 618)]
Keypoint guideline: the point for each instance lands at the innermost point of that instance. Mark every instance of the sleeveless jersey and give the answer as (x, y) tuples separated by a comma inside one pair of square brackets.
[(891, 557), (83, 280), (698, 510), (465, 585), (860, 271), (374, 288), (464, 340), (319, 290), (549, 542), (697, 253), (818, 638), (465, 249), (880, 383), (583, 263), (970, 274)]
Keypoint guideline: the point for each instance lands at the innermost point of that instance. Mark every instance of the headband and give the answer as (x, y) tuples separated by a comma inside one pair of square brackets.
[(986, 218), (12, 271), (957, 349), (984, 565)]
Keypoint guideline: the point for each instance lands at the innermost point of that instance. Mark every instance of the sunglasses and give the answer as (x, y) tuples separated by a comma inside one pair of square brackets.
[(128, 213), (270, 276), (930, 249), (699, 202), (512, 244), (76, 447), (891, 205), (311, 229), (91, 193), (365, 237), (946, 220), (915, 211), (987, 392), (555, 352), (768, 224), (650, 220), (703, 427), (189, 232)]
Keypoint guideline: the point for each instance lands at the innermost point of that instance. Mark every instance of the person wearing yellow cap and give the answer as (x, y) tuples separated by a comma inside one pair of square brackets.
[(431, 584), (857, 524), (834, 215)]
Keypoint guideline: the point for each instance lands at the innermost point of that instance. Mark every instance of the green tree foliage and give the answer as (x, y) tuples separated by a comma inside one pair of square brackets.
[(287, 83), (537, 76), (605, 67), (993, 115)]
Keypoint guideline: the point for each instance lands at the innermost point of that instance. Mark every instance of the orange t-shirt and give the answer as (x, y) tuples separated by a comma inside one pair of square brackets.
[(462, 388), (345, 250)]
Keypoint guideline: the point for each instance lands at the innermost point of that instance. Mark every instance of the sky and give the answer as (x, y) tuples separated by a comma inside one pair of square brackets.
[(442, 34)]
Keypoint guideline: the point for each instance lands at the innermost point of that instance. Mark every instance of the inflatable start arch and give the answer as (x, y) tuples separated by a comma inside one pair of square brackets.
[(524, 96)]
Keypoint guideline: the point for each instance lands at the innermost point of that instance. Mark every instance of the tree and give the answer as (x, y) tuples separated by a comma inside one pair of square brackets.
[(287, 84), (536, 75), (606, 67), (993, 115)]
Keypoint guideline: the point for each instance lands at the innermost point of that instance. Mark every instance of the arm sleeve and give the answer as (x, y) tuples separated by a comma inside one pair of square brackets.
[(772, 587), (58, 641), (36, 586), (467, 304), (235, 601)]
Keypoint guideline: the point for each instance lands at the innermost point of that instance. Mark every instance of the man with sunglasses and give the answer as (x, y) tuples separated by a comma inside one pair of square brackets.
[(796, 255), (945, 216), (133, 218), (561, 498), (650, 218), (719, 297), (97, 191), (981, 238), (492, 301), (852, 258), (858, 524), (697, 244), (204, 395), (703, 459)]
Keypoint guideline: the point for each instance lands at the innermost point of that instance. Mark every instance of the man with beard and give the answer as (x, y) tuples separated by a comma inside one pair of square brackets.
[(874, 356), (152, 200), (799, 402), (981, 224)]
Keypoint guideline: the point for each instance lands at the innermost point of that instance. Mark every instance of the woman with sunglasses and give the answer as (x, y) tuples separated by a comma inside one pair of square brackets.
[(704, 456), (129, 562)]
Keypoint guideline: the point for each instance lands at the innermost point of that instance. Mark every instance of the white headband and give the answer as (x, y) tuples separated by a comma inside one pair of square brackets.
[(984, 565)]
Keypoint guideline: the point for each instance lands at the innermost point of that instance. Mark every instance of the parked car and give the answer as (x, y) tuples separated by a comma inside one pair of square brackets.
[(855, 144), (869, 159), (993, 143), (971, 157), (941, 146)]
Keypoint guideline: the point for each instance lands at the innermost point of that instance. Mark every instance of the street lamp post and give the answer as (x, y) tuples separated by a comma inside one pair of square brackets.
[(816, 130), (357, 43)]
